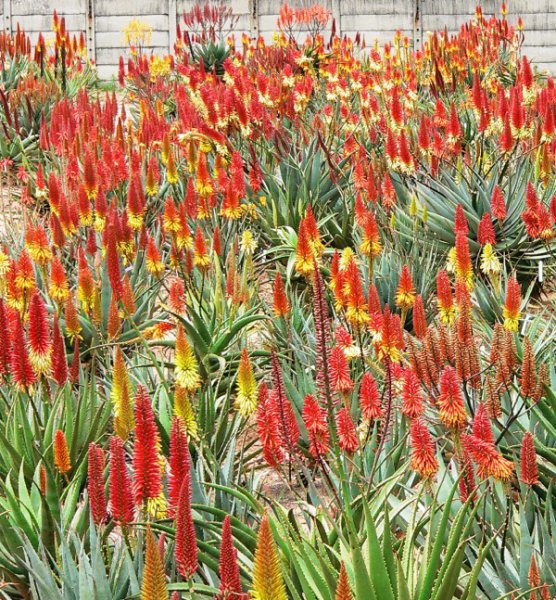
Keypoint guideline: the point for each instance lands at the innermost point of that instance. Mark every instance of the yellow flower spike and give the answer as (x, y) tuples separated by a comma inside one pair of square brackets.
[(184, 411), (124, 420), (268, 583), (187, 369), (246, 399)]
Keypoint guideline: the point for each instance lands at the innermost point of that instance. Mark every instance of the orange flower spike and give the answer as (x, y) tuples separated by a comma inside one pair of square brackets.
[(463, 265), (40, 343), (356, 312), (90, 182), (203, 182), (155, 266), (343, 590), (405, 295), (153, 585), (201, 258), (58, 289), (61, 453), (512, 311), (280, 300), (305, 258), (268, 583)]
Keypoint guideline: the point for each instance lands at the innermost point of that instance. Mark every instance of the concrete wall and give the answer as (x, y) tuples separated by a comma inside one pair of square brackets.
[(103, 21)]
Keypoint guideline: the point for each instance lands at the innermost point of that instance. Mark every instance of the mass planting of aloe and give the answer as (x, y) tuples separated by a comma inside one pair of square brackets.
[(277, 319)]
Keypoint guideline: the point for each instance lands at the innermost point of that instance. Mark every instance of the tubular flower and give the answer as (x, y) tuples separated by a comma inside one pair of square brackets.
[(267, 577), (186, 543), (90, 177), (305, 257), (95, 486), (184, 411), (463, 266), (452, 410), (498, 204), (146, 450), (281, 304), (490, 463), (390, 341), (405, 295), (86, 285), (40, 345), (512, 306), (340, 379), (314, 417), (61, 452), (20, 366), (356, 312), (268, 428), (347, 437), (369, 398), (203, 183), (419, 318), (528, 459), (187, 368), (246, 399), (201, 258), (153, 585), (230, 581), (124, 421), (179, 460), (423, 458), (120, 489), (412, 396), (490, 263), (58, 290), (155, 266), (481, 425), (343, 590), (370, 244), (73, 328), (445, 299), (59, 359)]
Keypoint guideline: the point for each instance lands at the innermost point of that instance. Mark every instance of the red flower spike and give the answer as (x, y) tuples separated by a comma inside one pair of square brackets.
[(528, 459), (423, 458), (120, 490), (485, 233), (4, 340), (369, 398), (20, 365), (186, 543), (179, 460), (113, 262), (97, 498), (460, 221), (481, 425), (339, 371), (146, 466), (268, 428), (315, 419), (59, 359), (230, 581), (412, 395), (452, 410), (347, 436)]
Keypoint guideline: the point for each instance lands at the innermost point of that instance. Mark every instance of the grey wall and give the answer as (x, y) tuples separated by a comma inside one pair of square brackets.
[(103, 21)]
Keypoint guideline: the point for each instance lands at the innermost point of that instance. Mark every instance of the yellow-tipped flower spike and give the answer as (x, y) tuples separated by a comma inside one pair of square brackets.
[(184, 411), (124, 420), (187, 369), (153, 586), (246, 399), (267, 576)]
